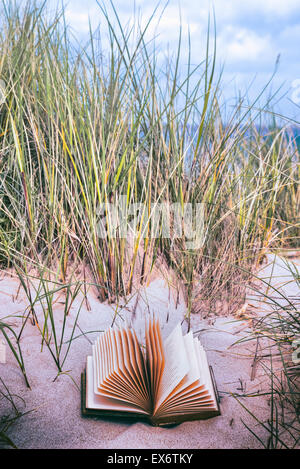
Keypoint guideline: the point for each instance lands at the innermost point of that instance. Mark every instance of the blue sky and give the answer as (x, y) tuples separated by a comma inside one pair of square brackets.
[(250, 35)]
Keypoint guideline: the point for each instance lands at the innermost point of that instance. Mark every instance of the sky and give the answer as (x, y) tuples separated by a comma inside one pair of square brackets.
[(251, 35)]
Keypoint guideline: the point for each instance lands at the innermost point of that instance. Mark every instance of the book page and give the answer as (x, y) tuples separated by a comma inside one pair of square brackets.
[(102, 383), (94, 401), (204, 394), (192, 399), (190, 384), (99, 371), (160, 349), (131, 366), (158, 356), (149, 359), (138, 365), (114, 376), (206, 373), (176, 365), (154, 357), (193, 372)]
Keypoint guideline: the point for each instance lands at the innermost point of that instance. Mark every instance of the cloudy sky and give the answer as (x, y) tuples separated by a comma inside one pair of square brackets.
[(250, 36)]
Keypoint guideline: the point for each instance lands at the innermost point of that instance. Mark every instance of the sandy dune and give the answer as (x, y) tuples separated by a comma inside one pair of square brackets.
[(55, 421)]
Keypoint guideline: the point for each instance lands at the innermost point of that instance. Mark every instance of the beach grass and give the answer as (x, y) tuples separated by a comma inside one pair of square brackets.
[(276, 334), (84, 130)]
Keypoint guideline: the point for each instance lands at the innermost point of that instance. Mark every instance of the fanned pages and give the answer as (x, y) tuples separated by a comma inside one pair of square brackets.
[(163, 382)]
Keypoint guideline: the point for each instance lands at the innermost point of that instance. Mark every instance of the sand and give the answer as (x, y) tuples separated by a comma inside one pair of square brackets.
[(52, 416)]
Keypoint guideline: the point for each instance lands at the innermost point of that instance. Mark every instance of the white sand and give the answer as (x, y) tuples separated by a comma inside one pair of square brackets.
[(55, 421)]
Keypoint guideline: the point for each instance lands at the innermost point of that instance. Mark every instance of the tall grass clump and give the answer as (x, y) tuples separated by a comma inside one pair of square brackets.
[(42, 293), (277, 335), (84, 130), (282, 326), (12, 413)]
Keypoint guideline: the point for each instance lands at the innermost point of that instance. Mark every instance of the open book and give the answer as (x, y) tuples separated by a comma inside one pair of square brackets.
[(162, 383)]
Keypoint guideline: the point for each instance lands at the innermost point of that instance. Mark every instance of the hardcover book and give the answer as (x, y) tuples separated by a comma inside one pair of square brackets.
[(162, 382)]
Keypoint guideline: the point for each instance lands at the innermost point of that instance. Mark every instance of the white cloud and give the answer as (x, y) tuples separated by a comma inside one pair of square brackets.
[(250, 33), (169, 24), (78, 21), (234, 9), (78, 18), (243, 45), (276, 7)]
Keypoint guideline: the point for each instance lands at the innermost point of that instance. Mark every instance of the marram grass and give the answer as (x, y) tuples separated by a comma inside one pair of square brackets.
[(84, 128)]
